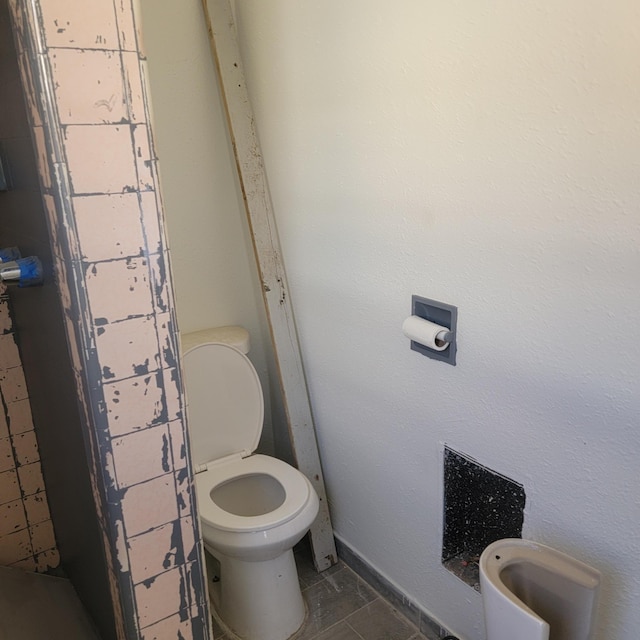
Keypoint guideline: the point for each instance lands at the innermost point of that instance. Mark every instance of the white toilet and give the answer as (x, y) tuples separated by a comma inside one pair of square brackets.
[(533, 592), (253, 508)]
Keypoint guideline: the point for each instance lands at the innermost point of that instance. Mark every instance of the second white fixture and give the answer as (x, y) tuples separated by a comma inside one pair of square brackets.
[(533, 592)]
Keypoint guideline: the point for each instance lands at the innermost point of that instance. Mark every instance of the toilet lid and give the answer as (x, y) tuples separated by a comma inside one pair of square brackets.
[(225, 406)]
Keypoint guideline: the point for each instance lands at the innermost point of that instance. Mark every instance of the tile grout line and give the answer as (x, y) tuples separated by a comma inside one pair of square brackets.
[(342, 620), (352, 629), (415, 631), (380, 597)]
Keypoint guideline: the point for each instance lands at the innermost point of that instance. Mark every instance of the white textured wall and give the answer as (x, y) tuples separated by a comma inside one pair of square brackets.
[(486, 155), (215, 278)]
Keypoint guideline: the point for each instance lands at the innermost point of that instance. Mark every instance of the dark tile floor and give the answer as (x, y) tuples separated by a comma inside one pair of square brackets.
[(343, 607)]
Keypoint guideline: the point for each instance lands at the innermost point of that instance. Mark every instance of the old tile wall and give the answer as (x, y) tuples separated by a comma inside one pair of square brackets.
[(26, 531), (27, 538), (84, 81), (39, 331)]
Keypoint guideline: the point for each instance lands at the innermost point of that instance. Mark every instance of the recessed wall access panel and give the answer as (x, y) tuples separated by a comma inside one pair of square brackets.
[(480, 507)]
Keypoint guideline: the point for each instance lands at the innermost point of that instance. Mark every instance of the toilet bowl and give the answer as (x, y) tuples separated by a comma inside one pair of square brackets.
[(533, 592), (253, 508)]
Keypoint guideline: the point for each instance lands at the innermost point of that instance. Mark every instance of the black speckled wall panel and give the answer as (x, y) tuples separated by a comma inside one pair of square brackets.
[(480, 506)]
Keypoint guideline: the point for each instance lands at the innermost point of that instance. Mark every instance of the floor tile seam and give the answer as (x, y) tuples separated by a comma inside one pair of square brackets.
[(361, 581), (324, 575), (321, 632), (324, 578), (341, 621), (409, 623), (354, 631), (309, 586), (378, 595), (414, 630), (352, 613)]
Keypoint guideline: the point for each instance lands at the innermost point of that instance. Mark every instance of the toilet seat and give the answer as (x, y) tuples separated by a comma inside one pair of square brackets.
[(296, 488)]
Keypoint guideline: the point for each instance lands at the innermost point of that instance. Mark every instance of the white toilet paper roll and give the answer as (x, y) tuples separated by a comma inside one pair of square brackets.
[(425, 332)]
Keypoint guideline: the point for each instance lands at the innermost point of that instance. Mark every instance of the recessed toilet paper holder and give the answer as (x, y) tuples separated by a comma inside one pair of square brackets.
[(443, 346)]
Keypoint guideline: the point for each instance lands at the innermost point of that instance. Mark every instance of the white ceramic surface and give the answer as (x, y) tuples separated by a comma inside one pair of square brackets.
[(533, 592), (253, 508)]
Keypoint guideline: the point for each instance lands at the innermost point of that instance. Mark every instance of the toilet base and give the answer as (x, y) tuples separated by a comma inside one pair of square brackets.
[(259, 600)]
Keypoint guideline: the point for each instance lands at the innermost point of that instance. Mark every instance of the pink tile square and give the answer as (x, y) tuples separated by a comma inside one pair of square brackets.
[(184, 485), (172, 627), (28, 564), (19, 415), (43, 536), (162, 293), (14, 547), (31, 480), (134, 403), (89, 86), (7, 460), (25, 446), (167, 340), (172, 394), (119, 290), (6, 324), (47, 560), (127, 348), (178, 445), (37, 508), (193, 594), (152, 221), (80, 24), (100, 159), (145, 162), (142, 455), (12, 518), (133, 87), (9, 356), (189, 545), (149, 504), (153, 552), (126, 25), (9, 486), (159, 597), (12, 384), (109, 226)]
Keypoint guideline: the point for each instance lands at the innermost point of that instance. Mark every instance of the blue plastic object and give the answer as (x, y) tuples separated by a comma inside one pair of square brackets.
[(9, 254), (30, 271)]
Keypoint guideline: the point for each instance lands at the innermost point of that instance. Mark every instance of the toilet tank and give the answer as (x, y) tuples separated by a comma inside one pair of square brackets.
[(235, 336)]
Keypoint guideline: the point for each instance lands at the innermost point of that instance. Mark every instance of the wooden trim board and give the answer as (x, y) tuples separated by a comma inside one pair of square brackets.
[(259, 209)]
